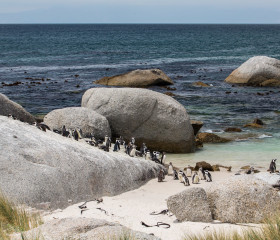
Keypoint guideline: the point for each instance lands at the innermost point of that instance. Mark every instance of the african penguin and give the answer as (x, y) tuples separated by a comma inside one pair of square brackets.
[(195, 178), (189, 171), (170, 169), (180, 175), (161, 176), (186, 180), (175, 175), (208, 176), (133, 151), (201, 173), (272, 167)]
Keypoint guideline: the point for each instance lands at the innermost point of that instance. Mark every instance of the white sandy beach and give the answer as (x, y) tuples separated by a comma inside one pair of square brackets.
[(132, 207)]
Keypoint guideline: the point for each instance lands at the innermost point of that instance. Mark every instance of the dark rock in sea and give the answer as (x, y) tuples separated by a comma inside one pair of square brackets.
[(257, 123), (233, 129), (137, 78), (204, 165), (9, 107), (257, 71), (169, 94), (151, 117), (76, 75), (228, 92), (89, 121), (197, 125), (211, 138), (200, 84), (171, 88), (12, 84), (46, 169)]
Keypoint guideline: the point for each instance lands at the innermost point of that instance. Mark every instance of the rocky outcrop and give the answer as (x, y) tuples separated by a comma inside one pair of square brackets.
[(45, 169), (242, 199), (151, 117), (197, 125), (271, 179), (204, 165), (137, 78), (9, 107), (200, 84), (211, 138), (82, 228), (190, 205), (89, 121), (257, 71), (233, 129), (257, 123)]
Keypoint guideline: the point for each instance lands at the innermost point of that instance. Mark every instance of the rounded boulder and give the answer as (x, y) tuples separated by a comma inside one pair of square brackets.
[(151, 117)]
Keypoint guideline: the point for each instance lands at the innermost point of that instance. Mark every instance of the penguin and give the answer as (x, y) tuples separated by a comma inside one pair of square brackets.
[(106, 139), (208, 176), (186, 180), (121, 140), (189, 171), (76, 135), (201, 173), (163, 157), (250, 170), (143, 148), (180, 175), (175, 175), (132, 140), (148, 155), (170, 169), (117, 145), (133, 151), (161, 176), (195, 178), (272, 167)]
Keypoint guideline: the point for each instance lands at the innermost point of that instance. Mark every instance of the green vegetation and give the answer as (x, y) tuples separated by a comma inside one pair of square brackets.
[(15, 219)]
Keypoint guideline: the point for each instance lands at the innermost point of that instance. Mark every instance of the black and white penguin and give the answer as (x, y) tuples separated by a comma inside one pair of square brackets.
[(208, 176), (272, 167), (195, 178), (170, 169), (148, 155), (180, 175), (133, 141), (143, 149), (161, 176), (175, 175), (189, 171), (250, 170), (64, 132), (133, 151), (76, 135), (163, 157), (201, 173), (186, 180), (117, 145)]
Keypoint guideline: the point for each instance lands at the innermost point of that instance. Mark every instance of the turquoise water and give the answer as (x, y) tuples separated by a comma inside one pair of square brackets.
[(187, 53)]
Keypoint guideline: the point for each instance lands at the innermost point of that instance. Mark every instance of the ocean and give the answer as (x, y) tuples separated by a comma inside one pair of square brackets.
[(70, 57)]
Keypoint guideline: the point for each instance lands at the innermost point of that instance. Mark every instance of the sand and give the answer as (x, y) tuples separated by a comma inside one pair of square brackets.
[(130, 208)]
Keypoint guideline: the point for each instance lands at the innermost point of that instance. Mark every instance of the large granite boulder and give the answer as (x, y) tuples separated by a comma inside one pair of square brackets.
[(242, 199), (190, 205), (89, 121), (82, 228), (45, 169), (151, 117), (9, 107), (137, 78), (257, 71)]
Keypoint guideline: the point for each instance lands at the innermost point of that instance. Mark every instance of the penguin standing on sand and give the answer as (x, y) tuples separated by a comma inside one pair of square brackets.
[(161, 176), (175, 175), (117, 145), (133, 151), (148, 155), (272, 167), (170, 169), (163, 157), (250, 170), (195, 178), (185, 180), (208, 176), (76, 135), (201, 173), (189, 171), (180, 175)]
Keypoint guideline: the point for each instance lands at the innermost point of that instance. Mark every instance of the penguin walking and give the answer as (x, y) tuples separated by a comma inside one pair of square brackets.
[(186, 180), (161, 176), (272, 167), (195, 178), (201, 173), (180, 175), (208, 176), (175, 175), (170, 169), (189, 171)]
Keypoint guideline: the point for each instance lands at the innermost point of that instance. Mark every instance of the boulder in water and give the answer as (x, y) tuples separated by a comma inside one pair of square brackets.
[(211, 138)]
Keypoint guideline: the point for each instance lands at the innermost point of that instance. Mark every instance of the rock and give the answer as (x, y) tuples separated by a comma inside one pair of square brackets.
[(87, 120), (190, 205), (233, 129), (247, 167), (9, 107), (137, 78), (197, 125), (169, 94), (204, 165), (151, 117), (216, 168), (211, 138), (257, 71), (242, 199), (83, 228), (200, 84), (39, 167), (258, 121), (198, 143), (271, 179)]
